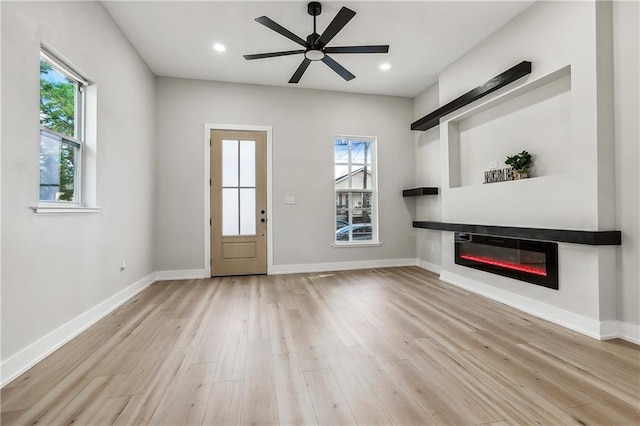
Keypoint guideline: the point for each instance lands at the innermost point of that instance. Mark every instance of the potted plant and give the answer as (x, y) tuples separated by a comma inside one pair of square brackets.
[(520, 164)]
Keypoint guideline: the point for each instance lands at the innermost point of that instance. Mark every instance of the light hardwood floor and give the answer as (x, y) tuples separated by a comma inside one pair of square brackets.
[(384, 346)]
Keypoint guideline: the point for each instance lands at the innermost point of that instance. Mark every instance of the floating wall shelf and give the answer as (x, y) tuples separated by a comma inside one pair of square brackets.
[(417, 192), (509, 76), (593, 238)]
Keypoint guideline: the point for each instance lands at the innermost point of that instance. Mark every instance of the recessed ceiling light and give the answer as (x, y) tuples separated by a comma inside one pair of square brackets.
[(385, 66), (219, 47)]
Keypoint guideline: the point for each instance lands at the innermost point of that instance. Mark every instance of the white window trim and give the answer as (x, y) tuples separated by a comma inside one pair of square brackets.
[(356, 244), (48, 209), (375, 236), (62, 67)]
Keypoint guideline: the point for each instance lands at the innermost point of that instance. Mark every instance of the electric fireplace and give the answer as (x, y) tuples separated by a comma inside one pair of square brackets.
[(534, 262)]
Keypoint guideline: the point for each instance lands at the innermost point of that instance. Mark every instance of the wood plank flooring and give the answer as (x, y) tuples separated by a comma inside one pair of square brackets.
[(382, 346)]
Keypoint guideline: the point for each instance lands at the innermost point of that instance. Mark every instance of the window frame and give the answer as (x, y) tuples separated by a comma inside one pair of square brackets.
[(78, 138), (373, 191)]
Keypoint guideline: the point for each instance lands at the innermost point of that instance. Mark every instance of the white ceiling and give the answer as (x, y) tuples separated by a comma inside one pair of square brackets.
[(175, 39)]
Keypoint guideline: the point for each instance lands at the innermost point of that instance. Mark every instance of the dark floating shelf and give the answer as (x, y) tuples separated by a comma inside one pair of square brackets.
[(509, 76), (417, 192), (592, 238)]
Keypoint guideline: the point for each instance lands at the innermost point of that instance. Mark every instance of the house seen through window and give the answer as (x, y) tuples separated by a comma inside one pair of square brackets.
[(61, 131), (355, 190)]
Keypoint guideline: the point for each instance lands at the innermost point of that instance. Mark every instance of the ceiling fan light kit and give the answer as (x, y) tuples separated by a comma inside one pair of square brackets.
[(315, 46), (314, 54)]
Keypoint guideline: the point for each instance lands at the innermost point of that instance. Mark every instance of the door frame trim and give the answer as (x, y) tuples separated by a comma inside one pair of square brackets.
[(208, 127)]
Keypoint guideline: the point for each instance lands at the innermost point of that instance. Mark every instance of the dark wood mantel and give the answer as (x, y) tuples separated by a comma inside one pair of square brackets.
[(592, 238), (501, 80)]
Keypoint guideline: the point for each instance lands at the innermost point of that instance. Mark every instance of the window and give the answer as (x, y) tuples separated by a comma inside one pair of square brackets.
[(62, 103), (355, 190)]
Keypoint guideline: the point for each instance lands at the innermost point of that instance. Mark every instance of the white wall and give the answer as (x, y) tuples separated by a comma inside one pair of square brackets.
[(578, 196), (304, 123), (566, 201), (490, 136), (428, 171), (66, 267), (626, 61)]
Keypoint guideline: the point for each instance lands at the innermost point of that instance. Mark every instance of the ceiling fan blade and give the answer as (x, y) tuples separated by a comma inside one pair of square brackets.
[(272, 54), (280, 30), (358, 49), (301, 69), (338, 68), (340, 20)]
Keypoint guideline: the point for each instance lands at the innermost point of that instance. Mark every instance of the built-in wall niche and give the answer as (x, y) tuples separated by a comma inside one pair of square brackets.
[(535, 117)]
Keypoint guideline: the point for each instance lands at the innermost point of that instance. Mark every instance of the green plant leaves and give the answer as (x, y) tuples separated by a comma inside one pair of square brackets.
[(520, 162)]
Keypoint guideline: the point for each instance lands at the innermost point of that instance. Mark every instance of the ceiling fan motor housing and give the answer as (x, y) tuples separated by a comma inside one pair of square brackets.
[(312, 38)]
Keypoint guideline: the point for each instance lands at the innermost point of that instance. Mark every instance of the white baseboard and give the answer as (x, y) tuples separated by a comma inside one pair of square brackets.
[(181, 274), (431, 267), (609, 330), (629, 332), (339, 266), (620, 330), (20, 362), (588, 326)]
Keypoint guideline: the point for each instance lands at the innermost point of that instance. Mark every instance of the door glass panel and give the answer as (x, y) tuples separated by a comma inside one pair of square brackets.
[(247, 211), (248, 163), (230, 216), (229, 163), (238, 187)]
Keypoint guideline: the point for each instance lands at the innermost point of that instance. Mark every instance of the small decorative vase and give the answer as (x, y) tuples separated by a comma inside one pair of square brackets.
[(519, 175)]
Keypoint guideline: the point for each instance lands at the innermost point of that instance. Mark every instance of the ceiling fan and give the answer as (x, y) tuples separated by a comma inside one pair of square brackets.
[(315, 46)]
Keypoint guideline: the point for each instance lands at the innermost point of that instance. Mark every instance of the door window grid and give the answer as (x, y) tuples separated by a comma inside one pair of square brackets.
[(238, 187)]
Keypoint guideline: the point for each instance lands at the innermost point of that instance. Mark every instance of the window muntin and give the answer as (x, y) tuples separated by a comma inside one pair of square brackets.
[(62, 132), (355, 190)]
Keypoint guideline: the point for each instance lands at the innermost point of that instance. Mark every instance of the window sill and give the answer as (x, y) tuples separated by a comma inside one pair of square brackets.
[(64, 209), (352, 245)]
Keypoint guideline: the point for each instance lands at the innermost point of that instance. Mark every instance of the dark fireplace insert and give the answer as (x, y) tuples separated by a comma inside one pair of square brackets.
[(534, 262)]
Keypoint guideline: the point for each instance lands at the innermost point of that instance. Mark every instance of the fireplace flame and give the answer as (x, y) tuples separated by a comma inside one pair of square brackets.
[(508, 265)]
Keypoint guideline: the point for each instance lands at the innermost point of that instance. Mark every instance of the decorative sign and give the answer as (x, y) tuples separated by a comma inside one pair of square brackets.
[(498, 175)]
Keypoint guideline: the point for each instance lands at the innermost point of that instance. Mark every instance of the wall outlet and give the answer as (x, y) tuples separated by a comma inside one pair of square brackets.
[(493, 165), (123, 265)]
